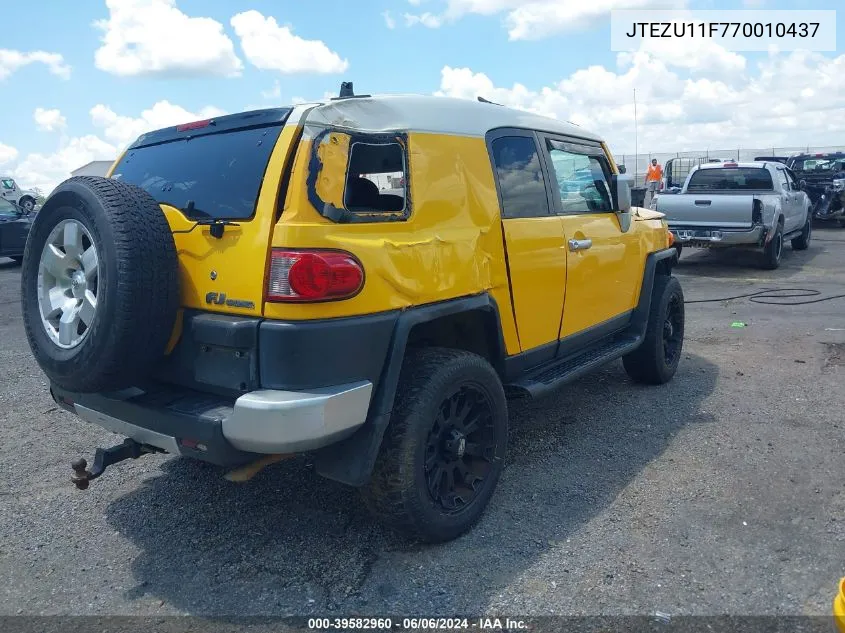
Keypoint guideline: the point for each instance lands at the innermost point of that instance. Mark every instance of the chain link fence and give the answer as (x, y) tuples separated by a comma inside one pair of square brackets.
[(637, 164)]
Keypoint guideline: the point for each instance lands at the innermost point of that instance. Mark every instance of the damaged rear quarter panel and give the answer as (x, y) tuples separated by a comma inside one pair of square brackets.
[(451, 246)]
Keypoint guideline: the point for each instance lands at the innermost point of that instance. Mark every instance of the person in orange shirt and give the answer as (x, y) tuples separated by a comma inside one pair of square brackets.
[(653, 177)]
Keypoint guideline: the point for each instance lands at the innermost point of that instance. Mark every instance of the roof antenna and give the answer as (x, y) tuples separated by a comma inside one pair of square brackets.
[(483, 100), (346, 92)]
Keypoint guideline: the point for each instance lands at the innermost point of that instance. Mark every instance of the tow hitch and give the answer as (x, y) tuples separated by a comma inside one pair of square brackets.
[(105, 457)]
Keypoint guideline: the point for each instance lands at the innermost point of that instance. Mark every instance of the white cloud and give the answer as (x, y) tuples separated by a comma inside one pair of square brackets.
[(427, 19), (542, 18), (11, 60), (8, 154), (535, 19), (697, 55), (389, 22), (49, 120), (326, 97), (274, 93), (122, 130), (680, 109), (47, 171), (153, 37), (272, 47)]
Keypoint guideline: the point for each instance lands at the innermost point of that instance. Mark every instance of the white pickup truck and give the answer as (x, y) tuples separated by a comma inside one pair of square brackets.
[(24, 198), (756, 204)]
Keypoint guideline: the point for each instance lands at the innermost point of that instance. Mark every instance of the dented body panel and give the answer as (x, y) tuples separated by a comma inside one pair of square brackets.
[(450, 246)]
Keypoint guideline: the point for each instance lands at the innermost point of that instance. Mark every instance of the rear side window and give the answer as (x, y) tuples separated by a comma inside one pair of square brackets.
[(375, 179), (731, 179), (520, 177), (220, 173)]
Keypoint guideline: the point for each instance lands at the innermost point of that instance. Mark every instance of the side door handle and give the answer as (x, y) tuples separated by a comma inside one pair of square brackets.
[(580, 245)]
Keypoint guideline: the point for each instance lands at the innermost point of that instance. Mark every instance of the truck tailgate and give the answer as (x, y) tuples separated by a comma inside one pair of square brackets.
[(728, 211)]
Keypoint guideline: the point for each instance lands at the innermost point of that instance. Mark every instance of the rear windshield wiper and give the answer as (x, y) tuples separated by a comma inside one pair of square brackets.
[(203, 218)]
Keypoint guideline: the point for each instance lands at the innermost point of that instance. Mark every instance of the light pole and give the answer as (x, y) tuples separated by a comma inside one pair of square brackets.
[(636, 147)]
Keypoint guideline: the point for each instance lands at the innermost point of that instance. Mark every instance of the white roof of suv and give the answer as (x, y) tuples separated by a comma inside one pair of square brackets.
[(437, 115)]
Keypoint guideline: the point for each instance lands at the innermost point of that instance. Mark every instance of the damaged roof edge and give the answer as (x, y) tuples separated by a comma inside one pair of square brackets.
[(433, 114)]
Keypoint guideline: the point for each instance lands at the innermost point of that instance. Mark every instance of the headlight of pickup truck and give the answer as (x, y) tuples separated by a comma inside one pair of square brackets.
[(839, 184)]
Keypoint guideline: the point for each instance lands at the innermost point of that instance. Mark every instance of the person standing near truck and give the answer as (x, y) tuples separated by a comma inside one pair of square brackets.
[(653, 177)]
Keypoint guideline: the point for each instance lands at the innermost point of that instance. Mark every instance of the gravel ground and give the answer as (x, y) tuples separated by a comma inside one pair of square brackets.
[(722, 492)]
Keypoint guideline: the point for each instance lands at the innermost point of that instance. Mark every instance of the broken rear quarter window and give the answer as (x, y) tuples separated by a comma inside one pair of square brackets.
[(375, 179), (363, 176)]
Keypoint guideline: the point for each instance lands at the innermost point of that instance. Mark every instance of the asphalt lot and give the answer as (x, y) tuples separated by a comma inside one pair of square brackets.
[(721, 492)]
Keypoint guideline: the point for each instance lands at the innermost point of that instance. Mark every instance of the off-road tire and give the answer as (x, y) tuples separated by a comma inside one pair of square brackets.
[(773, 251), (648, 364), (802, 242), (137, 293), (397, 492)]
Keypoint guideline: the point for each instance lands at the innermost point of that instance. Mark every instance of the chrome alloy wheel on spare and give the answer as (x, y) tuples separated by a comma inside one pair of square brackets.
[(68, 279)]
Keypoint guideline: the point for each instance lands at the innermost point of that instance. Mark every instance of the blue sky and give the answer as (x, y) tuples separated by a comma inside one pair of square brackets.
[(568, 71)]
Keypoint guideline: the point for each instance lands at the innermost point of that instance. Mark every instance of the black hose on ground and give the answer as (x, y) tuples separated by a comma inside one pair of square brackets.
[(775, 296)]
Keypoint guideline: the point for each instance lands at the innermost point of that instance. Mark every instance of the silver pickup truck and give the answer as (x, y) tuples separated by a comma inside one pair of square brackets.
[(757, 205)]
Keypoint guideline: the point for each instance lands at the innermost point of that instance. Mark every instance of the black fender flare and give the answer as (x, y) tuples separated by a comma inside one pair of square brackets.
[(351, 460)]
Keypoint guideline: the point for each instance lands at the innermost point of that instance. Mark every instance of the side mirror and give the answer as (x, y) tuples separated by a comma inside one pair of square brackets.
[(620, 185), (622, 169), (621, 188)]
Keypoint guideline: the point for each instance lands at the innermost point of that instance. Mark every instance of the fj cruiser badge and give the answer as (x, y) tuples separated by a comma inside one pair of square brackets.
[(219, 299)]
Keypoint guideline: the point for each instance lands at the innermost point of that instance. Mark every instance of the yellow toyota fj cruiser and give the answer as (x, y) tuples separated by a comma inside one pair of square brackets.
[(364, 280)]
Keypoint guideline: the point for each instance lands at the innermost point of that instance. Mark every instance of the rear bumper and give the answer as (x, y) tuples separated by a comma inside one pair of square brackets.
[(273, 421), (717, 237), (224, 431)]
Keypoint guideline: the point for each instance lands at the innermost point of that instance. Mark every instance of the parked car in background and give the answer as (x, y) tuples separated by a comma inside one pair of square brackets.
[(753, 204), (823, 176), (15, 223), (772, 159), (10, 191)]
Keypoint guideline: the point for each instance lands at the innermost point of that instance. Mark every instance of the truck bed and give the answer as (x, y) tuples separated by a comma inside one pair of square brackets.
[(709, 209)]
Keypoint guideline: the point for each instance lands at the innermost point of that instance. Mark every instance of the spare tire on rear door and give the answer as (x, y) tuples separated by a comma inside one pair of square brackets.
[(99, 285)]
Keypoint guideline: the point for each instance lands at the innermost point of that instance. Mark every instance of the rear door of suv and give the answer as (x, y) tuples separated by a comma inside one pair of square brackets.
[(534, 241), (230, 170)]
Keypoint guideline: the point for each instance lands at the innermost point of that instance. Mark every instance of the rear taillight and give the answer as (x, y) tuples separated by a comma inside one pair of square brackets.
[(313, 275), (757, 212)]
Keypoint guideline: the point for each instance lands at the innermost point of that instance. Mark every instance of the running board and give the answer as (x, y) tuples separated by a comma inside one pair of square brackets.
[(549, 377), (792, 235)]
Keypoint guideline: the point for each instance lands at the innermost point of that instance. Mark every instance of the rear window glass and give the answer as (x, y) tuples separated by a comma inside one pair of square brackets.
[(220, 173), (731, 179)]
